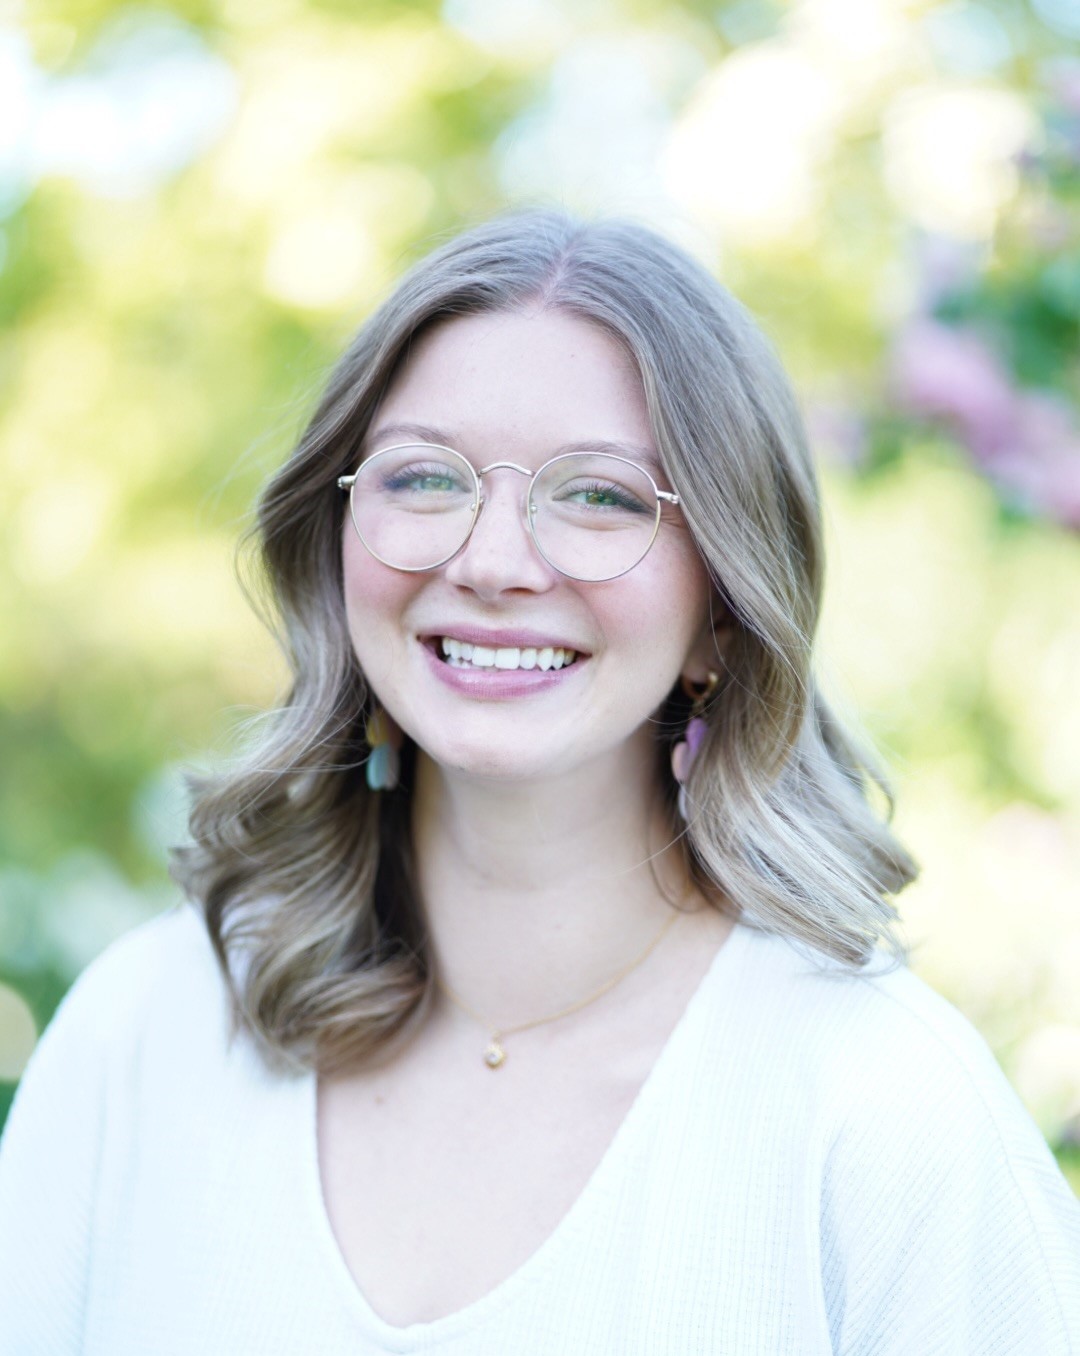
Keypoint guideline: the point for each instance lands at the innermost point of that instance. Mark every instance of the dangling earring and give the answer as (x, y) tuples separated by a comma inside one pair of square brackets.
[(384, 740), (684, 753)]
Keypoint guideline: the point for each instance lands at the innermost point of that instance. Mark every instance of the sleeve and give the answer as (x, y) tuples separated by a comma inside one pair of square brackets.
[(947, 1226), (51, 1150), (48, 1162)]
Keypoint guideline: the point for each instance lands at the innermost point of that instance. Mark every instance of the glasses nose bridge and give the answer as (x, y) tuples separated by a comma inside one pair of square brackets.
[(503, 466), (499, 466), (481, 502)]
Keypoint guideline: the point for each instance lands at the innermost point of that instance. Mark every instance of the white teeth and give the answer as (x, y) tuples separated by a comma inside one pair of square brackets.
[(464, 655)]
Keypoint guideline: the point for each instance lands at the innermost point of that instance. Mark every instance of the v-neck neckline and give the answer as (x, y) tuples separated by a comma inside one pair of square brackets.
[(471, 1315)]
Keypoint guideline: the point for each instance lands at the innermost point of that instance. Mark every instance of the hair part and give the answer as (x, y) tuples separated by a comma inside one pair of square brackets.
[(305, 876)]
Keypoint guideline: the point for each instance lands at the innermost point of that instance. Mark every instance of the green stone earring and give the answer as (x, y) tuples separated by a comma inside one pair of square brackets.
[(384, 740)]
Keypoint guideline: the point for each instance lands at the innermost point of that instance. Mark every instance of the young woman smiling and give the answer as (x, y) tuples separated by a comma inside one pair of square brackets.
[(542, 992)]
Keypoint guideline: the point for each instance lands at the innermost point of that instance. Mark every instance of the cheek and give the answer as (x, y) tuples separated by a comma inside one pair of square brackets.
[(651, 627), (374, 596), (672, 604)]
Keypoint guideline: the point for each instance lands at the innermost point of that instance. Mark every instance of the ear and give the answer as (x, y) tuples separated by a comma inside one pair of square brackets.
[(709, 650)]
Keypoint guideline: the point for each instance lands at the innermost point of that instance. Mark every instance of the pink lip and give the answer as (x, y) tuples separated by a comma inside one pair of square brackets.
[(498, 683), (502, 638)]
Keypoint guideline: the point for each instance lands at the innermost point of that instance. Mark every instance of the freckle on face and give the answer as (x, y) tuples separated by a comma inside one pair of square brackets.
[(515, 387)]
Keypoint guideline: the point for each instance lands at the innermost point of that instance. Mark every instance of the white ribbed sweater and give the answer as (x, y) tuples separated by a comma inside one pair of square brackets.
[(816, 1164)]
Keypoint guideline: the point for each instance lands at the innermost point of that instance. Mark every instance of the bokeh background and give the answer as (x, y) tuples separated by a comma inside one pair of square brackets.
[(200, 200)]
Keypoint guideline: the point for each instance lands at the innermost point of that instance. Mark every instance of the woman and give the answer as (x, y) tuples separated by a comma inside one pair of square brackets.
[(542, 992)]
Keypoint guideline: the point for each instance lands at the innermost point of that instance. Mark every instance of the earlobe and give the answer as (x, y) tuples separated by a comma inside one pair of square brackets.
[(700, 693), (710, 650)]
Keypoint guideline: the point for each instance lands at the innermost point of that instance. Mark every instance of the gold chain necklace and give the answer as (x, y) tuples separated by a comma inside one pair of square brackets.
[(494, 1054)]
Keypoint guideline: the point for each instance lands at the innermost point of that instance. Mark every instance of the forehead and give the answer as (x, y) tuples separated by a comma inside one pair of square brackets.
[(521, 382)]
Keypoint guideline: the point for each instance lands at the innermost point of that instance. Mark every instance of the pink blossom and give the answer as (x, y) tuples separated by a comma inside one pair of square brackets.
[(1027, 442), (943, 372), (1041, 465)]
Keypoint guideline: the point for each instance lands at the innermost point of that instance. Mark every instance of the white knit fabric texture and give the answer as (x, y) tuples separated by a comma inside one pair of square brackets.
[(816, 1164)]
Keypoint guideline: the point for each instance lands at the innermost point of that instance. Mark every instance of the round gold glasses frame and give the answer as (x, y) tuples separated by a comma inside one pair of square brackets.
[(346, 483)]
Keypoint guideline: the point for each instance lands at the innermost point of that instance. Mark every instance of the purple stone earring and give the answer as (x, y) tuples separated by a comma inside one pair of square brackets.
[(684, 753)]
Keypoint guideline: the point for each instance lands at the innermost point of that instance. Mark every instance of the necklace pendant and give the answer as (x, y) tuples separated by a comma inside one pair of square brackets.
[(494, 1054)]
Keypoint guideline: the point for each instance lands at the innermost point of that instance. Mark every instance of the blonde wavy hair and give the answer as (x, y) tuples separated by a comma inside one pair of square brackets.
[(305, 876)]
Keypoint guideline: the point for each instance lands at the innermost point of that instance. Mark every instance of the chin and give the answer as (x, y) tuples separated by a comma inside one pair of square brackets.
[(490, 764), (507, 759)]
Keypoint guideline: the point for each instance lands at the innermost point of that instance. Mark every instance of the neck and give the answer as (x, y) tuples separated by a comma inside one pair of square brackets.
[(537, 893)]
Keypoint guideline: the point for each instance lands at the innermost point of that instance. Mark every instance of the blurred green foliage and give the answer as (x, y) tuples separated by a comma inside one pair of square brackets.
[(166, 322)]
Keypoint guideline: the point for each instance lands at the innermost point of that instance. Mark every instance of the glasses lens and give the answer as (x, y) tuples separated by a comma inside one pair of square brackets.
[(413, 506), (594, 516)]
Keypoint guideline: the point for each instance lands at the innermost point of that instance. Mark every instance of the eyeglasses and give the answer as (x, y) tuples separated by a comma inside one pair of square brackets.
[(592, 516)]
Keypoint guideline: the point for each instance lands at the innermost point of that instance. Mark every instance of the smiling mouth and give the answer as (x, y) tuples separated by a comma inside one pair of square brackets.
[(460, 654)]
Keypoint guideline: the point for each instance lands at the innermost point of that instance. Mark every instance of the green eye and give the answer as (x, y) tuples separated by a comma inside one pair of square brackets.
[(597, 495), (424, 480)]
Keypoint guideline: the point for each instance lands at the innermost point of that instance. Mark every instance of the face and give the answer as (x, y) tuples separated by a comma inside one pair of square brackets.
[(519, 387)]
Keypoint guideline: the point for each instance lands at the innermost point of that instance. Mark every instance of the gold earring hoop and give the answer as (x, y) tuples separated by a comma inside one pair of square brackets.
[(700, 693)]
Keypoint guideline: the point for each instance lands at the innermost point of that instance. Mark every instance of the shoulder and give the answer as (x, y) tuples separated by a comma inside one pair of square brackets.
[(886, 1080), (939, 1207), (878, 1038), (160, 973), (91, 1120), (168, 951), (146, 1024)]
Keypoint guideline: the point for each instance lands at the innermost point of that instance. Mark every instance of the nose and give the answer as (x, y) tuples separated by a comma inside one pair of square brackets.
[(500, 554)]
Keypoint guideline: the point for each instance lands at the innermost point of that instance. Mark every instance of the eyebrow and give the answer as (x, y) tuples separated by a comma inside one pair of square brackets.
[(427, 434)]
